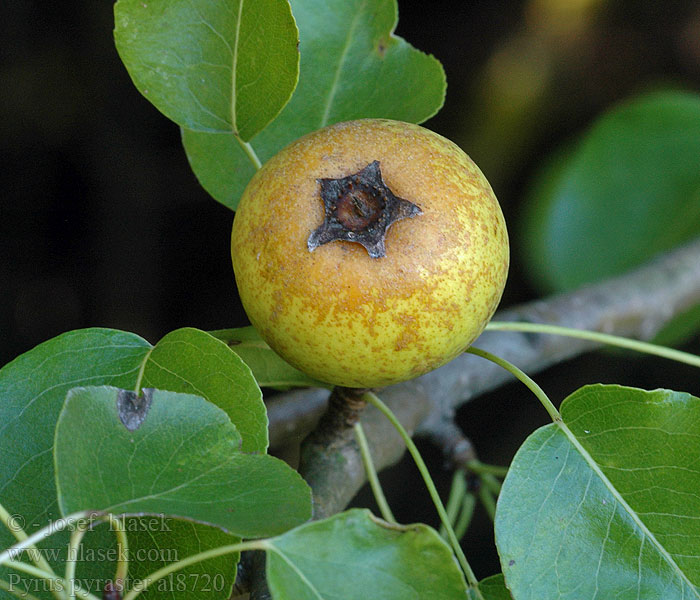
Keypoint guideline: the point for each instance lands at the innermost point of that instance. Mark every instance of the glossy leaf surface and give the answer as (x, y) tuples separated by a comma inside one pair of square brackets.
[(192, 361), (223, 66), (355, 556), (606, 505), (33, 389), (183, 459), (352, 66)]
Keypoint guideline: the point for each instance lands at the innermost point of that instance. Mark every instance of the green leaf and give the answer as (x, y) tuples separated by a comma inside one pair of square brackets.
[(268, 368), (192, 361), (492, 588), (154, 548), (32, 390), (179, 456), (221, 165), (352, 66), (605, 505), (353, 555), (154, 542), (627, 191), (225, 66)]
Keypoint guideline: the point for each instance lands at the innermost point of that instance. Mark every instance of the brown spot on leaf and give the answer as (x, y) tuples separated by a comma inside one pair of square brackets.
[(132, 408)]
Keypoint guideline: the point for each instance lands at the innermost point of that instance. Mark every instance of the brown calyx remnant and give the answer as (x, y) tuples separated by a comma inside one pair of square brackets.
[(360, 208)]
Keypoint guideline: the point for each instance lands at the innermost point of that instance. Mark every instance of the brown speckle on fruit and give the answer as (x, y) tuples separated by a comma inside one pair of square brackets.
[(360, 208)]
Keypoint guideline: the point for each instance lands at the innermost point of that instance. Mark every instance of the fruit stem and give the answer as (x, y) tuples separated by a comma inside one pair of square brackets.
[(29, 542), (372, 477), (55, 583), (476, 466), (488, 502), (76, 538), (596, 336), (523, 377), (465, 515), (372, 399), (250, 153), (118, 526), (455, 499), (13, 524)]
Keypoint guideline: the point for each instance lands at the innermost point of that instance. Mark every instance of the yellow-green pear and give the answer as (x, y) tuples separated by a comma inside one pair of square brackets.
[(369, 252)]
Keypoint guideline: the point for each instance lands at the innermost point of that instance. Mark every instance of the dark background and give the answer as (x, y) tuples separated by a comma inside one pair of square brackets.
[(102, 223)]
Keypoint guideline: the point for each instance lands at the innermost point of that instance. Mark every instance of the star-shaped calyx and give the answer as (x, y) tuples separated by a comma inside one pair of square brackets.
[(360, 208)]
